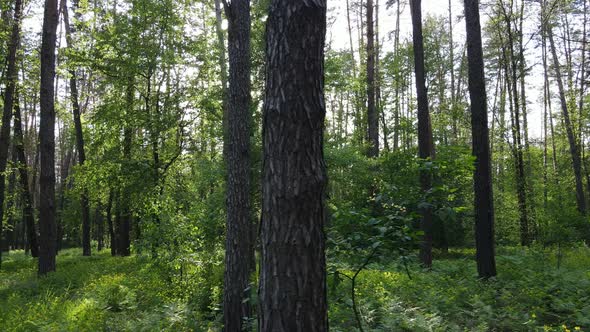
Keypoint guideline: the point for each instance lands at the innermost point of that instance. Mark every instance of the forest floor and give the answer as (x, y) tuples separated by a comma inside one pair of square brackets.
[(104, 293)]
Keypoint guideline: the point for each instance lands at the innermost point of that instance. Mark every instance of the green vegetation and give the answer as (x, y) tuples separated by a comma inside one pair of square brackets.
[(104, 293)]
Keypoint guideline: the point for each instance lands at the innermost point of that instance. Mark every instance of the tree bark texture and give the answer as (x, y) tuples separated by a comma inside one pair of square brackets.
[(292, 290), (425, 144), (239, 248), (47, 225), (484, 207)]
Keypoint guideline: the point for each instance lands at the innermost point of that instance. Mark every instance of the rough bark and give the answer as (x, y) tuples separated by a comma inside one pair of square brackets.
[(484, 207), (293, 266), (425, 144), (239, 248), (47, 225)]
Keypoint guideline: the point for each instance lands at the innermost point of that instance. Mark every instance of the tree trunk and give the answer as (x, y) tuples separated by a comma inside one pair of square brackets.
[(372, 115), (293, 266), (425, 144), (124, 226), (112, 234), (11, 80), (518, 153), (86, 250), (223, 69), (574, 148), (47, 226), (239, 248), (28, 211), (484, 206)]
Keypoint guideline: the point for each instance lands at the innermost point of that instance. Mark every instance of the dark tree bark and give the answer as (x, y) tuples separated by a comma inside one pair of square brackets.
[(239, 248), (484, 207), (47, 226), (425, 143), (372, 115), (99, 222), (574, 147), (293, 267), (11, 80), (28, 211), (86, 250)]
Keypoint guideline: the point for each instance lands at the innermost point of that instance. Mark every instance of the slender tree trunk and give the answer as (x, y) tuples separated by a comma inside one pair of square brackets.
[(112, 234), (124, 227), (484, 203), (293, 266), (372, 115), (99, 222), (574, 148), (86, 250), (239, 248), (11, 80), (28, 211), (223, 69), (453, 109), (47, 226), (425, 143), (518, 154)]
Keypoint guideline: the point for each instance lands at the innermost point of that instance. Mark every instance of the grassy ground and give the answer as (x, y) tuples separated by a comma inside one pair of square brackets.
[(102, 293)]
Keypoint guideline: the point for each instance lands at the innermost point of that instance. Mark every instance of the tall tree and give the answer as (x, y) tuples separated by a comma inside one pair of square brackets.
[(11, 81), (425, 143), (86, 250), (292, 290), (574, 146), (27, 198), (372, 114), (239, 249), (484, 208), (47, 225)]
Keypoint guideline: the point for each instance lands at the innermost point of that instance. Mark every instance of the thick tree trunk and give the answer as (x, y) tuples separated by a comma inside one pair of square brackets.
[(47, 226), (484, 206), (425, 143), (86, 250), (239, 248), (293, 266), (574, 147), (372, 115)]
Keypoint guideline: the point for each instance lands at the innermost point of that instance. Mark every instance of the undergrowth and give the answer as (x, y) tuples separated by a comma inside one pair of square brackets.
[(103, 293)]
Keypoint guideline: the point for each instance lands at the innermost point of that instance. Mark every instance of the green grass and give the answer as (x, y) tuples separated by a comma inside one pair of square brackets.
[(104, 293), (529, 294), (98, 293)]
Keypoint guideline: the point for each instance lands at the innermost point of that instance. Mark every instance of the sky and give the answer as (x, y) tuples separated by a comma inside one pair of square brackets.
[(338, 36)]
